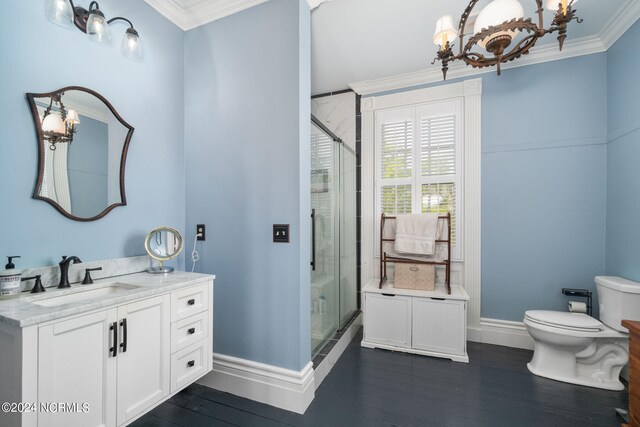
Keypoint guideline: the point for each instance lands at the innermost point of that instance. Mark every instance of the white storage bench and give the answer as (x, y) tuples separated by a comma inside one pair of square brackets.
[(431, 323)]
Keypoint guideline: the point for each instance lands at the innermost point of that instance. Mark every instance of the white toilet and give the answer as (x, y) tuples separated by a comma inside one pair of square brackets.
[(576, 348)]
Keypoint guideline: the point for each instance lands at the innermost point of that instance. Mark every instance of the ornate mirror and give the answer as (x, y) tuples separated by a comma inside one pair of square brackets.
[(83, 145), (163, 244)]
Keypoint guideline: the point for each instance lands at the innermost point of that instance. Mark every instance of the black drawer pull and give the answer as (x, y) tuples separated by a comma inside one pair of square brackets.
[(191, 301), (438, 299), (389, 295), (191, 331), (191, 363)]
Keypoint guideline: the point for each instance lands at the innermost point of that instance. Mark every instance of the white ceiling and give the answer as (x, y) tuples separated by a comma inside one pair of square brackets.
[(365, 44), (363, 40)]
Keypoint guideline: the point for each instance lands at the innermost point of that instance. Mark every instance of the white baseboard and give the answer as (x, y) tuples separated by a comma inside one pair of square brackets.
[(322, 370), (501, 332), (275, 386)]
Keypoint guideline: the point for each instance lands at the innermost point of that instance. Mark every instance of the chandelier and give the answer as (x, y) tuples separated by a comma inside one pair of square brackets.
[(496, 28), (59, 126)]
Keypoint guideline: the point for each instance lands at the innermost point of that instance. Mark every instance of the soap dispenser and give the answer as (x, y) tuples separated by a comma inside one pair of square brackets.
[(10, 280)]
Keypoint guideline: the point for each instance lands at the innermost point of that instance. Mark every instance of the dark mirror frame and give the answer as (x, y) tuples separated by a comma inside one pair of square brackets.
[(43, 146)]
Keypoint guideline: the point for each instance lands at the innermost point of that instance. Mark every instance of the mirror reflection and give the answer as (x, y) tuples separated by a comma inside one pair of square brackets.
[(83, 145)]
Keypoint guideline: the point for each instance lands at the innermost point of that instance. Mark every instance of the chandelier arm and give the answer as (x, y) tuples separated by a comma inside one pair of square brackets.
[(463, 21)]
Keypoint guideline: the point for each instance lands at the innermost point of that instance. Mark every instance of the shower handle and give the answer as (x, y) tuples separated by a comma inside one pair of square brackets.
[(313, 239)]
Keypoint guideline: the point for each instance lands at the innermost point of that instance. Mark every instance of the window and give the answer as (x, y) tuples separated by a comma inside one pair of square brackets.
[(419, 162)]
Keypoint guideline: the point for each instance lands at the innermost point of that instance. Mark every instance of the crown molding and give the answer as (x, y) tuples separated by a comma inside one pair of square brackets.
[(622, 20), (619, 23), (546, 53), (200, 12)]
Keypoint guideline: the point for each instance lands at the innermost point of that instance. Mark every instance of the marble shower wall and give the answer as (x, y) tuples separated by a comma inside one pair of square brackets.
[(338, 113)]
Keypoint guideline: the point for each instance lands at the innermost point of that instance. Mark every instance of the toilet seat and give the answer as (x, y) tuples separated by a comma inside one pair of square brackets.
[(579, 322)]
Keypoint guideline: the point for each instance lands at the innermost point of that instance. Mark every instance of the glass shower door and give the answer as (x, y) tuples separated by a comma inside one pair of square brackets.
[(347, 214), (325, 249)]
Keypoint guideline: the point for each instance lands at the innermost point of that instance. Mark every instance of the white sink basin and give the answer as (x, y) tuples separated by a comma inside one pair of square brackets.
[(82, 295)]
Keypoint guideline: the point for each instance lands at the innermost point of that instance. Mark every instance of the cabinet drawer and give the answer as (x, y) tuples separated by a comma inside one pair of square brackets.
[(189, 331), (187, 365), (188, 302), (387, 319)]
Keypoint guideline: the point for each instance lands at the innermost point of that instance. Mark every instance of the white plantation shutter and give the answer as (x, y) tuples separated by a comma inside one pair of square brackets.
[(437, 145), (419, 152), (397, 149)]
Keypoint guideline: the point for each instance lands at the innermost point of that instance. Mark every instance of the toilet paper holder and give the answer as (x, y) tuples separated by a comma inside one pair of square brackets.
[(583, 293)]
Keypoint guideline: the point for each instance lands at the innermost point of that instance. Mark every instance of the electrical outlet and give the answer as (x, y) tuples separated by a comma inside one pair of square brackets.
[(200, 229), (281, 233)]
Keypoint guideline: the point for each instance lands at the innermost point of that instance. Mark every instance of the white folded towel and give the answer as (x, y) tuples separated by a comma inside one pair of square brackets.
[(416, 233)]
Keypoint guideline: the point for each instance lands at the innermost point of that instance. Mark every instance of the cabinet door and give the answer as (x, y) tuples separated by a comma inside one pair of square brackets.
[(439, 325), (75, 366), (387, 319), (143, 366)]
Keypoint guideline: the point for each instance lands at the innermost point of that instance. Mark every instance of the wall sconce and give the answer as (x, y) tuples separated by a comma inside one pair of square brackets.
[(94, 24), (59, 126)]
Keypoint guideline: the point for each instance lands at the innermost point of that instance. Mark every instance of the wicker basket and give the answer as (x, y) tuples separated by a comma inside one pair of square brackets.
[(421, 277)]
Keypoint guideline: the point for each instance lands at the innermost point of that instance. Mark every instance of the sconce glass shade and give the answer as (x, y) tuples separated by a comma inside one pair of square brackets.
[(59, 12), (131, 45), (72, 117), (495, 13), (445, 31), (53, 123), (553, 5), (97, 27)]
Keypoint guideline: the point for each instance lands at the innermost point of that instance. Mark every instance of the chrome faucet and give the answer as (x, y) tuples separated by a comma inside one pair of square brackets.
[(64, 270)]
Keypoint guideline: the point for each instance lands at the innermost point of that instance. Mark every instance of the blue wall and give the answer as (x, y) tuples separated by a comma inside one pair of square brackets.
[(543, 184), (39, 56), (623, 157), (247, 99)]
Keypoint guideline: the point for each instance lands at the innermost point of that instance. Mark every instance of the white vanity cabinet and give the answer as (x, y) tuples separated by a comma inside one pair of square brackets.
[(431, 323), (91, 359), (112, 364)]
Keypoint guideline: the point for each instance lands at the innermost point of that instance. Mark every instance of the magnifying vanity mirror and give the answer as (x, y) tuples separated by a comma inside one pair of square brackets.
[(83, 145), (163, 244)]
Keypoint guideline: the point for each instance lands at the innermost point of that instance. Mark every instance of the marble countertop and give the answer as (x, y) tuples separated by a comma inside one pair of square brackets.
[(24, 311)]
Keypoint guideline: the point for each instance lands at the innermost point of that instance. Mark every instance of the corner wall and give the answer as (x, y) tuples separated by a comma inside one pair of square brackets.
[(247, 115), (623, 157)]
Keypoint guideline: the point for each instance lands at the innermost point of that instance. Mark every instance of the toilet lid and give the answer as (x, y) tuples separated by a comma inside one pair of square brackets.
[(565, 320)]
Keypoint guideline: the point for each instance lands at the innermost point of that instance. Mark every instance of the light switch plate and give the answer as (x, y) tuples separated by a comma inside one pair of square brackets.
[(281, 233)]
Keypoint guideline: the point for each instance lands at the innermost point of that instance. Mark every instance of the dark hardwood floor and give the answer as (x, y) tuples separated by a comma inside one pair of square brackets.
[(381, 388)]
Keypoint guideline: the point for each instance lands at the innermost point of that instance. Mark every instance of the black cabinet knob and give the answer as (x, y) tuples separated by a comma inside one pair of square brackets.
[(190, 363), (191, 302), (191, 331)]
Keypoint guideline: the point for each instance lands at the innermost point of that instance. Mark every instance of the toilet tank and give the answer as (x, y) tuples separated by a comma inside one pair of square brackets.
[(619, 299)]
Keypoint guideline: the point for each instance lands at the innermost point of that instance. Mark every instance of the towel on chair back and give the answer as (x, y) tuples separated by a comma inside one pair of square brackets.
[(416, 233)]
